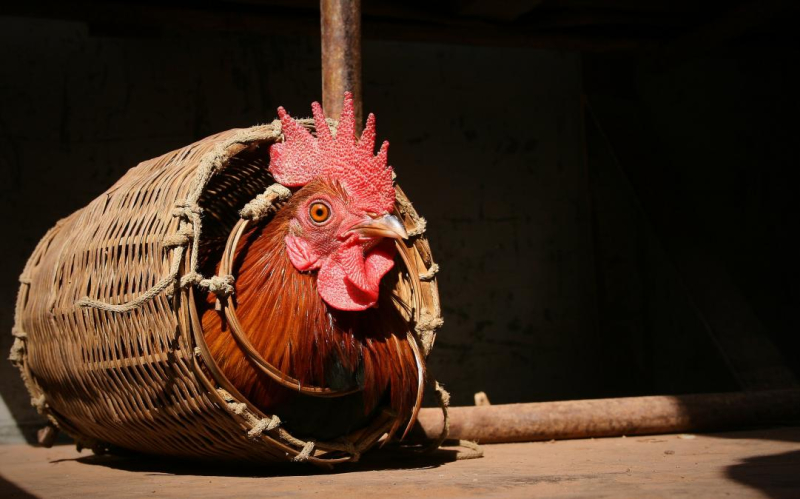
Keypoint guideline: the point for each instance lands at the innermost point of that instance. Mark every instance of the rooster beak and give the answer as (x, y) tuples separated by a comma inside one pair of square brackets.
[(386, 226)]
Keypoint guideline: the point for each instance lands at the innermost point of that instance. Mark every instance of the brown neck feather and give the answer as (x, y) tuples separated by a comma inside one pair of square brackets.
[(292, 328)]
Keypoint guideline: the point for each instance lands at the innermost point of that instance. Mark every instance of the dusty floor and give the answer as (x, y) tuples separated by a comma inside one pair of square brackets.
[(763, 463)]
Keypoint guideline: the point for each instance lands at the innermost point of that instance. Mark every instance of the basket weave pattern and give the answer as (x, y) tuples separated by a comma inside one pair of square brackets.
[(133, 375)]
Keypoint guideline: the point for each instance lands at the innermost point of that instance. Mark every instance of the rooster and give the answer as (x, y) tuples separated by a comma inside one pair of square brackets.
[(310, 291)]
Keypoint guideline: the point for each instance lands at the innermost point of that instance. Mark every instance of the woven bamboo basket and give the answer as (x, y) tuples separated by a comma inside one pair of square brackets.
[(134, 373)]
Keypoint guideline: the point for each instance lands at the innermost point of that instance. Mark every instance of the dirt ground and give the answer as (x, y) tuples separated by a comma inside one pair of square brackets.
[(762, 463)]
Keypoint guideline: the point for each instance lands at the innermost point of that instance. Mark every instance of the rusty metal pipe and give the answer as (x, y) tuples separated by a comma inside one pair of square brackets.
[(612, 417), (341, 55)]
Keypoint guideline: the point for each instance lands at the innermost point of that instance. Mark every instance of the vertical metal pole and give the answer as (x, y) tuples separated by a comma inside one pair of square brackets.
[(341, 55)]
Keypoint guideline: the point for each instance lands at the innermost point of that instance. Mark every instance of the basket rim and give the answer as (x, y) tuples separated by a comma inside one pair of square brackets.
[(255, 417)]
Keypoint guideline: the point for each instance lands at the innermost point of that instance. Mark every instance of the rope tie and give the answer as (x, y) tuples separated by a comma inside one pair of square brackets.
[(477, 450), (443, 399), (422, 224), (428, 323), (24, 279), (266, 203), (184, 209), (40, 403), (430, 274), (264, 424), (180, 238), (17, 353), (17, 332), (220, 285), (240, 409), (443, 395), (304, 454), (237, 408), (227, 397)]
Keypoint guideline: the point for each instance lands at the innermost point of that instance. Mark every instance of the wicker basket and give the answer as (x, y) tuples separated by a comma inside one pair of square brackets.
[(134, 374)]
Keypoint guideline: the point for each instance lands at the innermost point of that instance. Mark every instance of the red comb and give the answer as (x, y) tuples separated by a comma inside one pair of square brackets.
[(301, 157)]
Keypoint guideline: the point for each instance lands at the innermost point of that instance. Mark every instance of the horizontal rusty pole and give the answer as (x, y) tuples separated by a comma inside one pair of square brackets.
[(612, 417)]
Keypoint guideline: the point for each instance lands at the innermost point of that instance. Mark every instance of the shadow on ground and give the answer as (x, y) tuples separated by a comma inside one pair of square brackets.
[(9, 490), (788, 432), (777, 476), (387, 459)]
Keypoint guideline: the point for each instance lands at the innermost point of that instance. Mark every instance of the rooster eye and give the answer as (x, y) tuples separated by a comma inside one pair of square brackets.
[(319, 212)]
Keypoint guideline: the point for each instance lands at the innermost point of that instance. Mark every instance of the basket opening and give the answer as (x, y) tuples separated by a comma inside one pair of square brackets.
[(244, 177)]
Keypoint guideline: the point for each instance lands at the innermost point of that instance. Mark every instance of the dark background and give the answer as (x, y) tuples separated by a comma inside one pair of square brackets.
[(611, 187)]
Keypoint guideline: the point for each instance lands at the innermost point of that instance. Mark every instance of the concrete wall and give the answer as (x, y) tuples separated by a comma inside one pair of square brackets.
[(487, 143)]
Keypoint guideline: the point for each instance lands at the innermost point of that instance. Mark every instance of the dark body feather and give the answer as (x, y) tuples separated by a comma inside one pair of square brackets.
[(292, 328)]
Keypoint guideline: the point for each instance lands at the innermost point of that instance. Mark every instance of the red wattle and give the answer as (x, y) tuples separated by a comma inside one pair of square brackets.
[(348, 280)]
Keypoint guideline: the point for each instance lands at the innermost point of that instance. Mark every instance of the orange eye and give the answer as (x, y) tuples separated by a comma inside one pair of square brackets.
[(319, 212)]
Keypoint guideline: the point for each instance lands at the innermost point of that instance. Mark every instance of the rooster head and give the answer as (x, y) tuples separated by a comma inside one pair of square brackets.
[(343, 226)]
